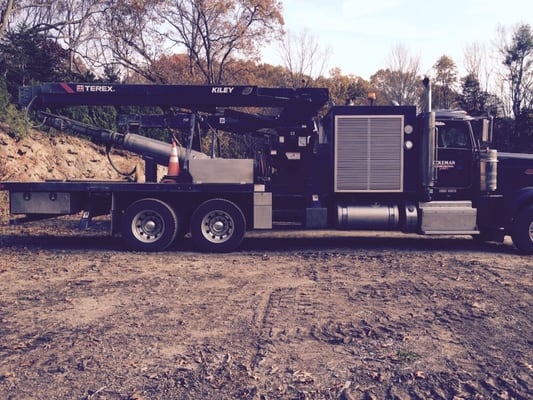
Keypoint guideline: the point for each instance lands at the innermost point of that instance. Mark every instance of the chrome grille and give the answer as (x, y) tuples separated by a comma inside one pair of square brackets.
[(368, 153)]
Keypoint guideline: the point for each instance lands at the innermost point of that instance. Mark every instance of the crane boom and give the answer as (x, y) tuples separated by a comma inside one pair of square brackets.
[(300, 101)]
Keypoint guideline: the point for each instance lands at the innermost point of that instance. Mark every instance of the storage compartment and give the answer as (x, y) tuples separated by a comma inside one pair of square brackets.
[(448, 217), (221, 170), (54, 203)]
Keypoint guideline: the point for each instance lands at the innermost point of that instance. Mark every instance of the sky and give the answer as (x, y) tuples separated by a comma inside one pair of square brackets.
[(363, 33)]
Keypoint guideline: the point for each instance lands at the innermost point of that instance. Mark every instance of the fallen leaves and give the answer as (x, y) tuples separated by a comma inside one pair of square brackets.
[(135, 396), (302, 377)]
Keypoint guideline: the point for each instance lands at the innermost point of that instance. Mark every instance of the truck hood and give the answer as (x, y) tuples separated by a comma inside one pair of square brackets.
[(515, 171), (516, 156)]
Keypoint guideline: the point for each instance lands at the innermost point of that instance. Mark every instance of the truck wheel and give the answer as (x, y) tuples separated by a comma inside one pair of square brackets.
[(523, 230), (218, 226), (149, 225)]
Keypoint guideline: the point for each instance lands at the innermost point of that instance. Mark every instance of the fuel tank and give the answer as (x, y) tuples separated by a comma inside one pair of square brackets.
[(373, 216)]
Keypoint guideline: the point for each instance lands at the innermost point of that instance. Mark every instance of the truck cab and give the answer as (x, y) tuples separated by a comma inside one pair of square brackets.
[(455, 155)]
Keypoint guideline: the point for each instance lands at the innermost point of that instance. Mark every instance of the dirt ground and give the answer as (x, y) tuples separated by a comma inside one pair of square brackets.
[(291, 315)]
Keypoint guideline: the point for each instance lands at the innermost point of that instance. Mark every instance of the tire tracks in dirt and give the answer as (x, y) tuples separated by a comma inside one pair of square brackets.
[(313, 317)]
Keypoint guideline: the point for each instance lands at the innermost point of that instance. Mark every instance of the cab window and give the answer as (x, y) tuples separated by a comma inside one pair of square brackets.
[(453, 135)]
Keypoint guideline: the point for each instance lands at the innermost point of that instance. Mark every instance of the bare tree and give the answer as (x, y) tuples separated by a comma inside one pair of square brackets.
[(6, 10), (12, 11), (135, 34), (213, 31), (70, 23), (304, 57), (77, 27), (479, 64), (129, 37), (473, 59), (482, 76), (517, 54), (399, 83)]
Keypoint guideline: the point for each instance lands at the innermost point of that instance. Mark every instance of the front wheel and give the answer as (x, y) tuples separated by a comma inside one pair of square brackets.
[(217, 226), (149, 225), (523, 230)]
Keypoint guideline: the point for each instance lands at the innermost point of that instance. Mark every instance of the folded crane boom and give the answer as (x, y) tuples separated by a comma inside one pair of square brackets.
[(294, 103)]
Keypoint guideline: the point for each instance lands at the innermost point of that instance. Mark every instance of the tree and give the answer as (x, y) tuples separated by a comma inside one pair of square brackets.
[(130, 39), (400, 82), (215, 31), (248, 72), (345, 89), (473, 60), (175, 69), (518, 61), (28, 56), (473, 98), (479, 64), (74, 24), (303, 57), (6, 10), (18, 13), (444, 93)]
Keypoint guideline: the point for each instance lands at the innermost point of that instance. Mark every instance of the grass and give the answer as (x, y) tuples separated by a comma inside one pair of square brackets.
[(407, 355)]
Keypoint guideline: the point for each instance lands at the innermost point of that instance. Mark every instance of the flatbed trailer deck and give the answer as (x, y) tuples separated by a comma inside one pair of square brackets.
[(144, 212)]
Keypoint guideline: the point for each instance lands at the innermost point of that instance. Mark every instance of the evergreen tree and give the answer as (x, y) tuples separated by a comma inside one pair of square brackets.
[(28, 57), (473, 99)]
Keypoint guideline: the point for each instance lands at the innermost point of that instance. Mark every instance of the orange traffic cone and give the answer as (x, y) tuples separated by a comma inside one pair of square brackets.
[(174, 162)]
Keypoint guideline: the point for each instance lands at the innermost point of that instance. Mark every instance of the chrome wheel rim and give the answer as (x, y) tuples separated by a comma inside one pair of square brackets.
[(148, 226), (218, 226)]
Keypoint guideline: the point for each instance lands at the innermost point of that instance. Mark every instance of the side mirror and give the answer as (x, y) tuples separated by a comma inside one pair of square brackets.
[(486, 135)]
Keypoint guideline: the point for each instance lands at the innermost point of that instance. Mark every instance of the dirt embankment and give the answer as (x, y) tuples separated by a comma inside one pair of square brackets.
[(39, 156)]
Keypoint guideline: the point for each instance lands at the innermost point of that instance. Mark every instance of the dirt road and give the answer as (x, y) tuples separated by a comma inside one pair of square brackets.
[(289, 316)]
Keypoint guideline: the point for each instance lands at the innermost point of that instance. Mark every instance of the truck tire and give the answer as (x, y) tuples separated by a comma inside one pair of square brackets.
[(523, 230), (149, 225), (217, 226)]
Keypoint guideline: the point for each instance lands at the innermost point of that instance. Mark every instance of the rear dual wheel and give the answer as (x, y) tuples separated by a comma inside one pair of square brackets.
[(149, 225), (217, 226)]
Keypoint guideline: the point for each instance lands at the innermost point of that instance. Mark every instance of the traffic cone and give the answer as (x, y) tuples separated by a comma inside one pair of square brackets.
[(174, 162)]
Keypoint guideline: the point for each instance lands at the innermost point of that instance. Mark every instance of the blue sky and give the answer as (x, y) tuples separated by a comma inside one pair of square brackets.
[(362, 34)]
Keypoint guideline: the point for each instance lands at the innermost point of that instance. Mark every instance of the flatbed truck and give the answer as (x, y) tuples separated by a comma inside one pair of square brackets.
[(369, 167)]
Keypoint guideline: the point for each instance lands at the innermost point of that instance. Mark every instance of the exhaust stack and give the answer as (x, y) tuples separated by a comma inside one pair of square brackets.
[(427, 170)]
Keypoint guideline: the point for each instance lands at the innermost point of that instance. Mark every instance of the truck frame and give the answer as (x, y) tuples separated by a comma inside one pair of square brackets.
[(351, 168)]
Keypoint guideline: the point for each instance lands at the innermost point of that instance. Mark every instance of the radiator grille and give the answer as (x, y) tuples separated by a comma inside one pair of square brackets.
[(368, 153)]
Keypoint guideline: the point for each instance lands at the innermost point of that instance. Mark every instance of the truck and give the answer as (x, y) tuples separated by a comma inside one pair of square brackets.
[(318, 167)]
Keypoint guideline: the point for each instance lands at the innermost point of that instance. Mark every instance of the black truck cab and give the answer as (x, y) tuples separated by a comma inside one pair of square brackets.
[(455, 156)]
